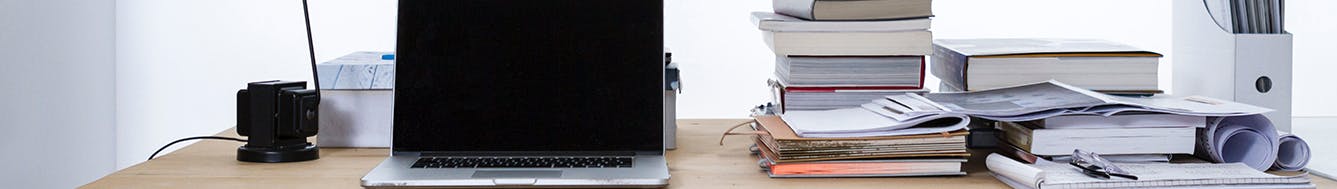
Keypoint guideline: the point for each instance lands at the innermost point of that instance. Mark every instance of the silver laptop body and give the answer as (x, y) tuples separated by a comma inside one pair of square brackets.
[(527, 93), (649, 171)]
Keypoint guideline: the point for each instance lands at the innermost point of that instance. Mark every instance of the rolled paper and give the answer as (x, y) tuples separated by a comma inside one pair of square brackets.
[(1250, 139), (1292, 153)]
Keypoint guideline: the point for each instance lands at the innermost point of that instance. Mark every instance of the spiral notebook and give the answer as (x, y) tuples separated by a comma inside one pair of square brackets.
[(1045, 174)]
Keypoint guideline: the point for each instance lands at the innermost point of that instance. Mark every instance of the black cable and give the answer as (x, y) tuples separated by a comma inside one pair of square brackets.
[(311, 46), (155, 153)]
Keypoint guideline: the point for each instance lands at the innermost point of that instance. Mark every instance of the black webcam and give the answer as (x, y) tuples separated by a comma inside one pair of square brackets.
[(277, 116)]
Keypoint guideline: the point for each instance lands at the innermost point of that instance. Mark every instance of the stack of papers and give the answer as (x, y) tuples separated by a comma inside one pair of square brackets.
[(790, 147), (1235, 132), (1128, 137), (808, 71), (1049, 99), (784, 153), (1107, 141)]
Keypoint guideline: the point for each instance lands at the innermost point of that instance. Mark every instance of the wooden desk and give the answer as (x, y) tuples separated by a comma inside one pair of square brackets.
[(697, 163)]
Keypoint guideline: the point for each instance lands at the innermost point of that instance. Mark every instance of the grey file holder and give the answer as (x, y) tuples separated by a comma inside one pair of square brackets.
[(1211, 60)]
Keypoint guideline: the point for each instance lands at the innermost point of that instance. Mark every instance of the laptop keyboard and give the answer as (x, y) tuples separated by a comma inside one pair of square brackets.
[(522, 162)]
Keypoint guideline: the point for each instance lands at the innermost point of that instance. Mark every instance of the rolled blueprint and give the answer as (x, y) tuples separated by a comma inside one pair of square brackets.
[(1250, 139), (1292, 153)]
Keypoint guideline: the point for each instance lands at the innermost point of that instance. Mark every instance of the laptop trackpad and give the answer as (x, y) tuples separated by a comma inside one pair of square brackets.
[(517, 174)]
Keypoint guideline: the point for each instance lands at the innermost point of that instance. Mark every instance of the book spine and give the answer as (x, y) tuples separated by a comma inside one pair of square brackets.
[(1017, 153), (922, 66), (1016, 135), (833, 143), (950, 66), (797, 8)]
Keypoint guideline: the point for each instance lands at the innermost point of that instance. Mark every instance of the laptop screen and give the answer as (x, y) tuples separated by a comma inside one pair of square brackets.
[(529, 75)]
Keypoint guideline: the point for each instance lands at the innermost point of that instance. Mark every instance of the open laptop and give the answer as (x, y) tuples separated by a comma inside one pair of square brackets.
[(527, 93)]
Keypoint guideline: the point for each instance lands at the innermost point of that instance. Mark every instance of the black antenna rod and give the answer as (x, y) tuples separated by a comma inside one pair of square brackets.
[(311, 46)]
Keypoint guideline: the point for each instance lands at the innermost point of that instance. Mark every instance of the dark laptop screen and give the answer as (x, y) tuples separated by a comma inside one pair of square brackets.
[(529, 75)]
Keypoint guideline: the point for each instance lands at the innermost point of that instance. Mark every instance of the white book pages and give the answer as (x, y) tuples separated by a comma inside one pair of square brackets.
[(1125, 158), (767, 21), (902, 43), (865, 122), (841, 70), (838, 120), (1123, 121), (1014, 46), (1094, 73), (1112, 141)]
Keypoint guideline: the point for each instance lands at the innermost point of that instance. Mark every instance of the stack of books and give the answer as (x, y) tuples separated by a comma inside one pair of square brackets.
[(1052, 119), (1136, 137), (840, 53), (783, 153), (1099, 65)]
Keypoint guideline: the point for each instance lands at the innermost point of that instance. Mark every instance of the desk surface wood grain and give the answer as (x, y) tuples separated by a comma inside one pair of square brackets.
[(699, 162)]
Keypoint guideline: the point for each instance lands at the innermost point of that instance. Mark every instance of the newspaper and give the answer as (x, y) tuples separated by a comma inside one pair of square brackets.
[(1052, 98)]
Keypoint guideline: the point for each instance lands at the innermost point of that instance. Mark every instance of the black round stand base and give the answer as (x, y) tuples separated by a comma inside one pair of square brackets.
[(278, 155)]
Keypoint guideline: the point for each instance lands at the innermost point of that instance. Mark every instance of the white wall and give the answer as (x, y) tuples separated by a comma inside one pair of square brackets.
[(181, 63), (725, 62), (56, 92), (1312, 23), (205, 50)]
